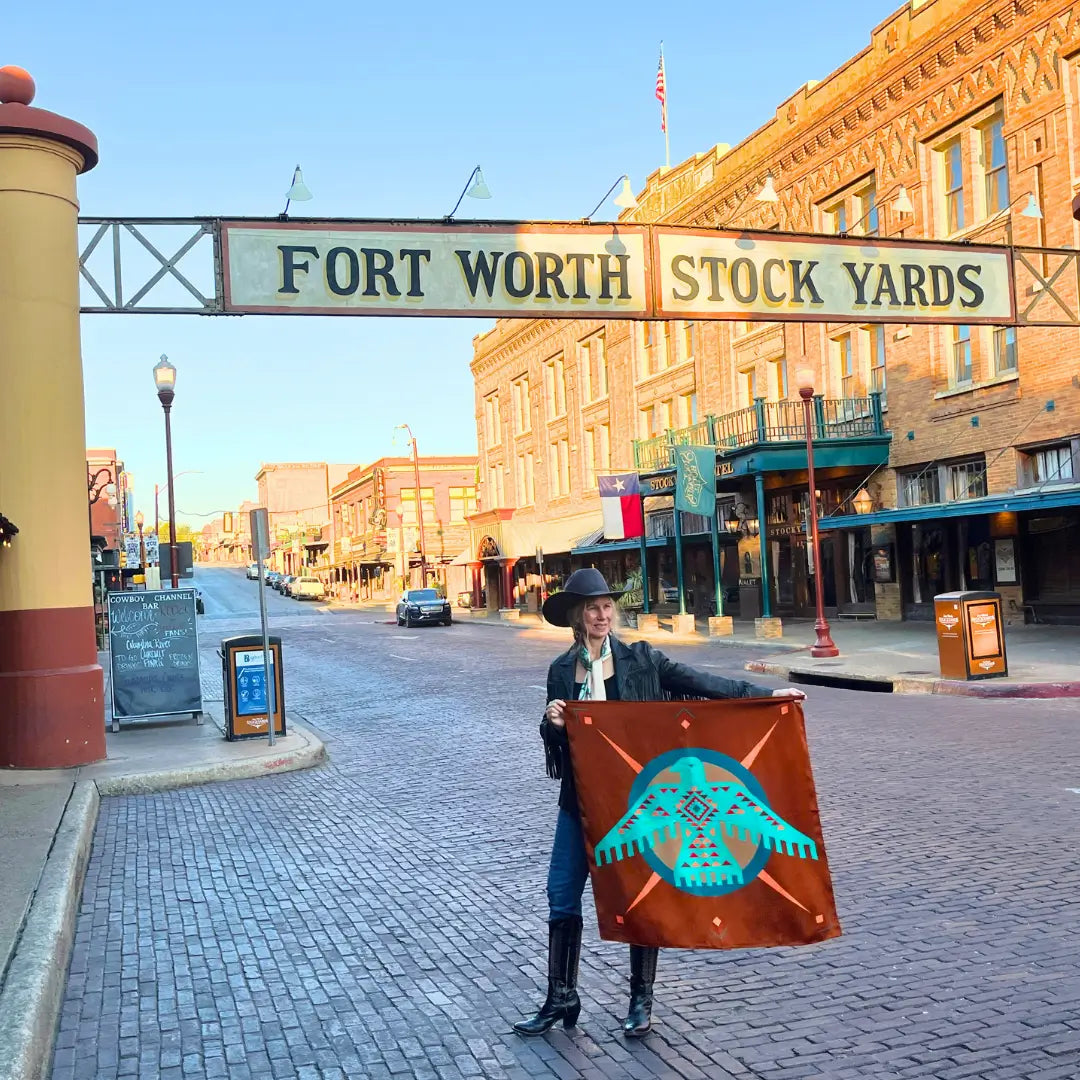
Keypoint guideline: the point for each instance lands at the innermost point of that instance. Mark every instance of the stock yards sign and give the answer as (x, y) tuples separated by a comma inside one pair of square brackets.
[(605, 271)]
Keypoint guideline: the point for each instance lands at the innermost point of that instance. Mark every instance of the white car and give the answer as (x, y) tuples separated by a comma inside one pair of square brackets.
[(253, 571), (308, 588)]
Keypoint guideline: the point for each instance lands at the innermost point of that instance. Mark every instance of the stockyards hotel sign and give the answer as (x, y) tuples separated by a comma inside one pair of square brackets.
[(701, 823), (605, 271)]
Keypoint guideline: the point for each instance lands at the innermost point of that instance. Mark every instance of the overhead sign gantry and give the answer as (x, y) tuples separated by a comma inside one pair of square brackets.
[(575, 270)]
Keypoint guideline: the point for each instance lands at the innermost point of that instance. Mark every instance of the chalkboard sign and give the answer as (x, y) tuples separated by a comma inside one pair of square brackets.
[(154, 650)]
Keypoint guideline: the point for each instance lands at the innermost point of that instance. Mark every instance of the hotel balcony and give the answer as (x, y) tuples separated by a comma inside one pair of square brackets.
[(851, 430)]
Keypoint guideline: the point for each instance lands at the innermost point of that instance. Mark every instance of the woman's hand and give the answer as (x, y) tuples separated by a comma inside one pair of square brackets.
[(554, 712), (791, 692)]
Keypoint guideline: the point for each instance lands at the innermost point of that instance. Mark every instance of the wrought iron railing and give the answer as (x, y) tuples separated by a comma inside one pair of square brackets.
[(831, 419)]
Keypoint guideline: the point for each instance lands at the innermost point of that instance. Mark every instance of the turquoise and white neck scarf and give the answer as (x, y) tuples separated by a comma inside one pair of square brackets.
[(592, 689)]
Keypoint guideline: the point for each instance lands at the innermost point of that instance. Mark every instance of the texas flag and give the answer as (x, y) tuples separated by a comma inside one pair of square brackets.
[(620, 501)]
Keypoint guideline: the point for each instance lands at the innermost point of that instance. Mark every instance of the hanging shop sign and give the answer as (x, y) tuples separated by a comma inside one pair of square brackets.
[(522, 270), (706, 274)]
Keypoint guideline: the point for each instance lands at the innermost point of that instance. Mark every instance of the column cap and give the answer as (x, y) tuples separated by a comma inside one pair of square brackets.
[(19, 117)]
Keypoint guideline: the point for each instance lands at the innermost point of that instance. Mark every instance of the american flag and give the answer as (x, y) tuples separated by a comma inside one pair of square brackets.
[(661, 91)]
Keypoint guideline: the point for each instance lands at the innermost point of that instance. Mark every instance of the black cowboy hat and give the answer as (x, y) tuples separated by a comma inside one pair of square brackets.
[(580, 585)]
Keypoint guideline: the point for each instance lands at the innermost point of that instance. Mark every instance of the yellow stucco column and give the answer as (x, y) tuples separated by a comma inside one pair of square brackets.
[(51, 693)]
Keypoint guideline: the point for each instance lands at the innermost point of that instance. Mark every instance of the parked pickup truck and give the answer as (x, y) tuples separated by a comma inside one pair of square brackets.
[(308, 588)]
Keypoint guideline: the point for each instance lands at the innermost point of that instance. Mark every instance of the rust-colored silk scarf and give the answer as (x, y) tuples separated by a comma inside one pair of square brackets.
[(701, 823)]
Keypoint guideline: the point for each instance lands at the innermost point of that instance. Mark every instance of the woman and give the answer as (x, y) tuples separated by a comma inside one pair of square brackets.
[(600, 667)]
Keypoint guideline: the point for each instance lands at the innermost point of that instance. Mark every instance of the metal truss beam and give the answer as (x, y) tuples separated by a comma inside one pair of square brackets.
[(130, 272)]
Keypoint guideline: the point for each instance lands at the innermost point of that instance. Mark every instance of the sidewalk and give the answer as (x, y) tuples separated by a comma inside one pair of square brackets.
[(888, 657), (47, 820)]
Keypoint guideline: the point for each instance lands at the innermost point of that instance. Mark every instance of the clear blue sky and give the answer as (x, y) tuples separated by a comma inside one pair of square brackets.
[(204, 109)]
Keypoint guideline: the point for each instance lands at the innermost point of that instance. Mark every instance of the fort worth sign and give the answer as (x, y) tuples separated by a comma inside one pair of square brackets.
[(564, 270)]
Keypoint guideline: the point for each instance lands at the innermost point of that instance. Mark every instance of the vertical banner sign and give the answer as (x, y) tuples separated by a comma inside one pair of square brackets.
[(701, 823), (132, 552), (695, 482), (154, 653)]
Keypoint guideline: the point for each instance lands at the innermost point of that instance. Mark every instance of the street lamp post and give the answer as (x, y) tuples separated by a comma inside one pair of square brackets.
[(419, 508), (95, 487), (823, 643), (165, 381)]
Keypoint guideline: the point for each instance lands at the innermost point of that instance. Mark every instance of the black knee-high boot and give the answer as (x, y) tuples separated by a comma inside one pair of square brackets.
[(562, 1003), (642, 974)]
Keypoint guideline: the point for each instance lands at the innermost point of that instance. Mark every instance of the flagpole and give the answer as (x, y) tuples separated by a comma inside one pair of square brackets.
[(661, 93)]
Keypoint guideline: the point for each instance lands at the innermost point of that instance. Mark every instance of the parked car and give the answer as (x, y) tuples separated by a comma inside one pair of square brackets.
[(284, 584), (271, 578), (308, 588), (253, 571), (423, 606)]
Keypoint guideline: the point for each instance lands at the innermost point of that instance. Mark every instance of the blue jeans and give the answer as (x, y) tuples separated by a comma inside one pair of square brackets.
[(569, 868)]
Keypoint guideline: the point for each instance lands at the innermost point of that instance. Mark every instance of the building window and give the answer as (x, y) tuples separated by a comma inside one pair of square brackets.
[(868, 211), (646, 422), (961, 357), (559, 468), (836, 217), (748, 386), (953, 159), (522, 415), (597, 454), (526, 491), (555, 387), (491, 419), (495, 487), (688, 331), (462, 503), (967, 480), (687, 409), (995, 169), (593, 355), (846, 354), (1051, 464), (780, 369), (920, 488), (1004, 350), (408, 506), (877, 363)]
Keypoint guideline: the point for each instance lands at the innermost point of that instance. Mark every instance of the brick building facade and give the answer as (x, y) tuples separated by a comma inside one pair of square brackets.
[(961, 445), (374, 532)]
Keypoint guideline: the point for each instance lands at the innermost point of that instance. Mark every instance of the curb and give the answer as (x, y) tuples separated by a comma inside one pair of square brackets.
[(907, 684), (310, 755), (35, 983)]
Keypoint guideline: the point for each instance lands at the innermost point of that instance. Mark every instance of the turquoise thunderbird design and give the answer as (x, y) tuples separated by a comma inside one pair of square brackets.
[(700, 813)]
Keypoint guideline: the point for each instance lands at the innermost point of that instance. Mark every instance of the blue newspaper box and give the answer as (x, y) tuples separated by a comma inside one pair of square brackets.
[(243, 675)]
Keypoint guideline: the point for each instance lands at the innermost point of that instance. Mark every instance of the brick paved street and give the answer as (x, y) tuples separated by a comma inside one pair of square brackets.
[(384, 916)]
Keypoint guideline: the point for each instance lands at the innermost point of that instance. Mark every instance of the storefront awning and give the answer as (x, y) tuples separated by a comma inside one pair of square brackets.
[(607, 546), (1016, 502)]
